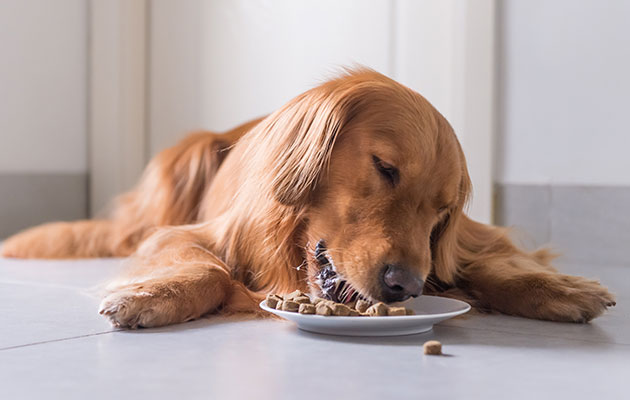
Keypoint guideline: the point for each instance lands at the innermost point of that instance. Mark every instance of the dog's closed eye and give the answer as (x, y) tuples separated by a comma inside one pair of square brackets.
[(388, 171)]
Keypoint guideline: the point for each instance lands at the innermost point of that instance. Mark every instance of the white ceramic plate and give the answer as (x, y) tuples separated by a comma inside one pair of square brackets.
[(429, 310)]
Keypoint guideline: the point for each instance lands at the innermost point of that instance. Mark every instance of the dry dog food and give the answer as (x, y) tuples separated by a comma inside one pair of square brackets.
[(272, 300), (362, 306), (288, 305), (397, 311), (317, 300), (306, 308), (341, 310), (323, 309), (302, 299), (300, 302), (377, 310), (432, 347)]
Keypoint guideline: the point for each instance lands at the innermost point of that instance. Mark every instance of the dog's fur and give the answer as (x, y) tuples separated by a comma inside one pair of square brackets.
[(221, 219)]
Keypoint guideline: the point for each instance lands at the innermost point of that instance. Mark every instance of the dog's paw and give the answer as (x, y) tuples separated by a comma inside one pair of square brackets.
[(578, 299), (130, 309)]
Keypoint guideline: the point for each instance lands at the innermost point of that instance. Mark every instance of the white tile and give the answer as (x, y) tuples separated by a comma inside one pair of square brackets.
[(222, 359), (30, 314), (489, 356)]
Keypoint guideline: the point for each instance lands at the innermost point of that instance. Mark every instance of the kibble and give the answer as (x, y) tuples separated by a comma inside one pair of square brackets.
[(362, 306), (377, 310), (306, 308), (302, 300), (272, 300), (288, 305), (323, 309), (393, 311), (294, 295), (341, 310), (432, 347), (297, 301)]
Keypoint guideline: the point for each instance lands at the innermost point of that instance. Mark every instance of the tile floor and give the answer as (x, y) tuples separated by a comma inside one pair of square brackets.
[(53, 344)]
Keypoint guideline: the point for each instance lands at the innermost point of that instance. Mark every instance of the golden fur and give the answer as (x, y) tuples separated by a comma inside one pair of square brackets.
[(219, 220)]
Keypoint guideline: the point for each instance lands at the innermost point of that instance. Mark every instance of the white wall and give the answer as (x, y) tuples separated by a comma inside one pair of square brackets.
[(43, 66), (565, 92), (216, 64)]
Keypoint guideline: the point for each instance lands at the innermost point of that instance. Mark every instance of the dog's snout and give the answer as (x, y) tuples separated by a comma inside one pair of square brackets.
[(400, 283)]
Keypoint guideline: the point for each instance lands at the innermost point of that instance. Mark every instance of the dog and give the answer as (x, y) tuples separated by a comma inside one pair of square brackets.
[(354, 189)]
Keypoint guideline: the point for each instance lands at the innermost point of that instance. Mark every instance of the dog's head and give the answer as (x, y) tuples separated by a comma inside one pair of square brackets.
[(380, 179)]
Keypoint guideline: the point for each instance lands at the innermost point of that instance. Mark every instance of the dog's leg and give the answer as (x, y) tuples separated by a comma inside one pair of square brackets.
[(503, 278), (174, 279), (78, 239)]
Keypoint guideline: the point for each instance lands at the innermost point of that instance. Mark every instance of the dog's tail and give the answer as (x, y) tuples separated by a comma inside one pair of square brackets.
[(170, 192), (80, 239)]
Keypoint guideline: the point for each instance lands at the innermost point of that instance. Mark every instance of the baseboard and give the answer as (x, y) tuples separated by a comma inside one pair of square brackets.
[(31, 199), (589, 224)]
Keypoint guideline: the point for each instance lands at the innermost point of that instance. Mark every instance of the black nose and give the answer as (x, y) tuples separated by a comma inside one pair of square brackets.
[(400, 283)]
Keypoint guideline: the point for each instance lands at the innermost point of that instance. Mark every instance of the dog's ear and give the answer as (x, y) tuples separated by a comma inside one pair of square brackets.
[(446, 236), (298, 139)]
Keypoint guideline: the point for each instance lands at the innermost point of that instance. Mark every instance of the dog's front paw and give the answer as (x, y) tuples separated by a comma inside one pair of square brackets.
[(130, 309), (578, 300)]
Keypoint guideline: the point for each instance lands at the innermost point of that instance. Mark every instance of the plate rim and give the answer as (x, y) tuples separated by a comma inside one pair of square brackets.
[(464, 310)]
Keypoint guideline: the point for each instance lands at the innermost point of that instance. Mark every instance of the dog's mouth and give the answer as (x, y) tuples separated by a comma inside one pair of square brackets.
[(331, 284)]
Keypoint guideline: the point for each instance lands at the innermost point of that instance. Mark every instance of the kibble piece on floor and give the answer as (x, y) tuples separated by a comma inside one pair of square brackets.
[(377, 310), (288, 305), (272, 300), (341, 310), (362, 305), (306, 309), (293, 295), (302, 299), (396, 311), (323, 309), (433, 347)]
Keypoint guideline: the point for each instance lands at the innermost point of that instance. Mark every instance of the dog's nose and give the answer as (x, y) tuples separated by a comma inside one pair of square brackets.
[(400, 283)]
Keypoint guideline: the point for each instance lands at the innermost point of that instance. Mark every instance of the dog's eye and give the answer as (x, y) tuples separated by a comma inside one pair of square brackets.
[(388, 171), (442, 209)]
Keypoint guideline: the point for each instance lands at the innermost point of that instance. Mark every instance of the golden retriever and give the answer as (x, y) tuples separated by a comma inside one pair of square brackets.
[(355, 188)]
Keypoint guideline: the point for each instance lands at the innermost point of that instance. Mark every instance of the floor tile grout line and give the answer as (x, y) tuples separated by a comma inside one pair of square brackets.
[(533, 334), (19, 346)]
